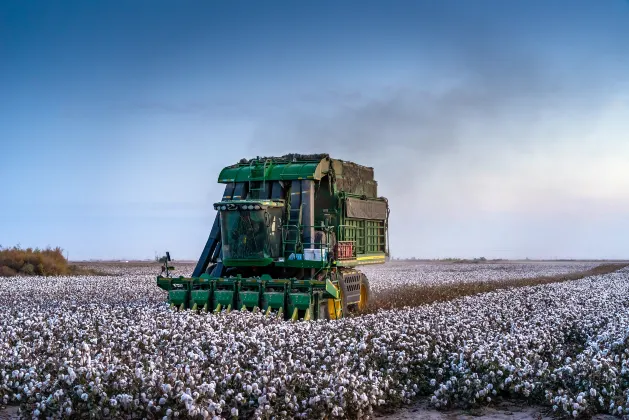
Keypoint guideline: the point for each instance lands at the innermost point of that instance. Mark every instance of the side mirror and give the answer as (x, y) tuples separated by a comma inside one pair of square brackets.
[(166, 267)]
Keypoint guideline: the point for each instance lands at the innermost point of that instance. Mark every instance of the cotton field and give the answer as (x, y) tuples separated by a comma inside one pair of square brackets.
[(109, 346)]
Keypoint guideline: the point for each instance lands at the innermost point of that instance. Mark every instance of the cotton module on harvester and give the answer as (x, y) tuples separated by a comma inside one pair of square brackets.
[(288, 235)]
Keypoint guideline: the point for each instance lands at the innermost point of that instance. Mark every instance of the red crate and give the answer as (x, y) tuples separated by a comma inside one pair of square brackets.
[(345, 250)]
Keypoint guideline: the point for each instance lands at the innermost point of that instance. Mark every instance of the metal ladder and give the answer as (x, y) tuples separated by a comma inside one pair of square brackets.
[(293, 231), (258, 174)]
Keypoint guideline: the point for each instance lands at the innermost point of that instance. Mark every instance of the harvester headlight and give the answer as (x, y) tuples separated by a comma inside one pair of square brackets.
[(250, 207), (244, 207), (223, 207), (257, 207)]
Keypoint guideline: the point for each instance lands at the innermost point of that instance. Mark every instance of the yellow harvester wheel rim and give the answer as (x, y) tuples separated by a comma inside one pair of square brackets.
[(335, 308), (362, 303)]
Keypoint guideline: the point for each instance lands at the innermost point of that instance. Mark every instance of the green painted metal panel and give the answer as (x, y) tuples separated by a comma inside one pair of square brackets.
[(278, 172), (224, 297), (301, 264), (242, 262), (299, 300), (249, 299), (273, 299), (178, 297), (331, 289), (200, 297), (164, 283)]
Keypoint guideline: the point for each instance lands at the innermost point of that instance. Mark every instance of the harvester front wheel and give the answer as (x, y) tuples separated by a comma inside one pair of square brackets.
[(331, 309), (365, 293)]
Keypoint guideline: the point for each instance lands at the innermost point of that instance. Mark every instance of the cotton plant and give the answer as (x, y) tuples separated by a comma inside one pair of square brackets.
[(110, 346)]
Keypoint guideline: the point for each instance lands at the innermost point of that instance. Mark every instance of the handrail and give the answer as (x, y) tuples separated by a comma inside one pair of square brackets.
[(362, 237), (254, 165), (298, 229), (314, 246)]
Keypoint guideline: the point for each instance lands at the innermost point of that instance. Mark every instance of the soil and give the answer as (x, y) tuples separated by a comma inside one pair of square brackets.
[(9, 413), (504, 411)]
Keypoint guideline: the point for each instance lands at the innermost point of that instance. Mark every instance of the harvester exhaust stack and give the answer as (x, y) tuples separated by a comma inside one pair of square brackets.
[(287, 236)]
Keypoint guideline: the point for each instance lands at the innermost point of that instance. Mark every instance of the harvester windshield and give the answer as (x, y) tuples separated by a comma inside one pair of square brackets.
[(251, 234)]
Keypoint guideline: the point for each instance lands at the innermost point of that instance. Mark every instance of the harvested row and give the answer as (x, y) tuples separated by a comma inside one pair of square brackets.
[(413, 295), (108, 345), (396, 275)]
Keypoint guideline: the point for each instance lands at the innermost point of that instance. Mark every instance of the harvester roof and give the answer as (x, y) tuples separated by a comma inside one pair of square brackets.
[(347, 175)]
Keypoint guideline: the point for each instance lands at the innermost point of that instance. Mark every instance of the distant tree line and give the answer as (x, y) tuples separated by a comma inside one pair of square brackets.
[(37, 262)]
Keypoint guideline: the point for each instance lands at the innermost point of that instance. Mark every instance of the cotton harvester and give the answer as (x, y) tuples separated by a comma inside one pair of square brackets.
[(287, 238)]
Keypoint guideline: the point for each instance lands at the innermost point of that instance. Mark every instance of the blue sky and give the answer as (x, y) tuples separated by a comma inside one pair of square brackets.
[(496, 128)]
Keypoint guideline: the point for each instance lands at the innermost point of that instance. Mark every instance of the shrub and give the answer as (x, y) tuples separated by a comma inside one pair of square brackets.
[(29, 261), (28, 269), (6, 271)]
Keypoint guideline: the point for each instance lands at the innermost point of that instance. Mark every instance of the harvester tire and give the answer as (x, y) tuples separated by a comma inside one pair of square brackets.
[(328, 313)]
